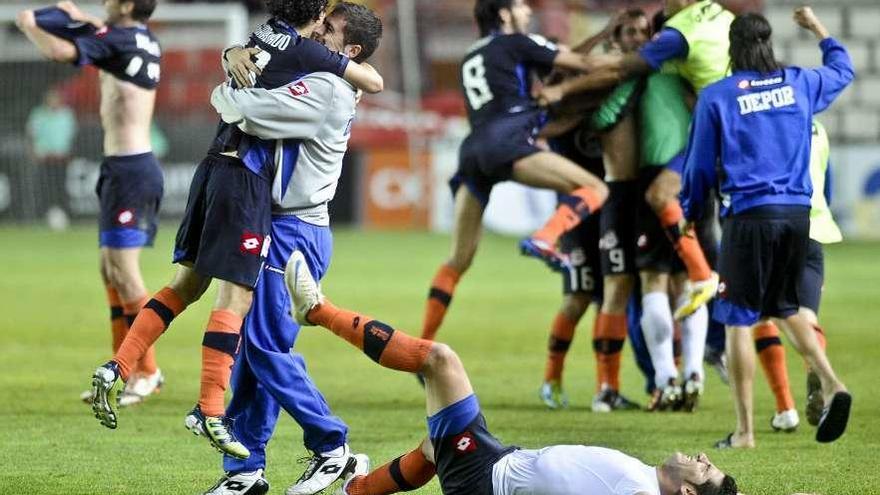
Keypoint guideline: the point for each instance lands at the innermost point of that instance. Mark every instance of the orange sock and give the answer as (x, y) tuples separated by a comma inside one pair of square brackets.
[(118, 326), (439, 297), (219, 347), (406, 473), (560, 340), (609, 334), (686, 244), (579, 204), (149, 324), (772, 357), (147, 364), (389, 347)]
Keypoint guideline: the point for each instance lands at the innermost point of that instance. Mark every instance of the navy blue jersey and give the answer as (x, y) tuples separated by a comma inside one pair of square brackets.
[(285, 58), (751, 135), (130, 54), (495, 74)]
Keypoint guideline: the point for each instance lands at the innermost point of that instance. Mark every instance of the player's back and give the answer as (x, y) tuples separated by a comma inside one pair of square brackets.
[(495, 74)]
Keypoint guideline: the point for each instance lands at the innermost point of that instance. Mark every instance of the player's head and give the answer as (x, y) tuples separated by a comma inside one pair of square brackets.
[(672, 7), (506, 16), (751, 48), (633, 31), (298, 13), (351, 29), (687, 475), (136, 10)]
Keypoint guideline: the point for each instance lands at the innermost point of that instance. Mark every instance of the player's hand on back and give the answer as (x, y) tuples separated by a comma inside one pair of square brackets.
[(241, 65), (550, 95)]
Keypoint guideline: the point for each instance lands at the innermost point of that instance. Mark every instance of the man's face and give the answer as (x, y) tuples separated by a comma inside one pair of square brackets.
[(331, 33), (634, 32), (117, 9), (688, 471), (519, 15), (673, 7)]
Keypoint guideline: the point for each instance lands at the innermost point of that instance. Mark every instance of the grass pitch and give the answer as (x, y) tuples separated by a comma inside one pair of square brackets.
[(55, 330)]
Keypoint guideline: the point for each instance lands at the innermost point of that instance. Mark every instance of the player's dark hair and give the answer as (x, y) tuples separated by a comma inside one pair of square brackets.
[(487, 14), (751, 48), (726, 487), (362, 27), (658, 20), (143, 9), (629, 15), (296, 12)]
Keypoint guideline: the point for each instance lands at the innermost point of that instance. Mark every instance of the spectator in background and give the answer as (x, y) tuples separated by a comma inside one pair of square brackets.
[(51, 128)]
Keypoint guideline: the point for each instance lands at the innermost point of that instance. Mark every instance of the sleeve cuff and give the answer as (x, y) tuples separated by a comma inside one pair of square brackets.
[(828, 42), (343, 64)]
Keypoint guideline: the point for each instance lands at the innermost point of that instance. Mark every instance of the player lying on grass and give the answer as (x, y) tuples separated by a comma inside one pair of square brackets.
[(224, 231), (459, 448), (267, 376), (130, 185), (757, 125)]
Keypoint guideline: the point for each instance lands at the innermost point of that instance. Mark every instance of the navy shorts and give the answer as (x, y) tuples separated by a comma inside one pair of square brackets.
[(654, 249), (487, 154), (464, 450), (129, 192), (762, 259), (618, 229), (813, 278), (224, 233)]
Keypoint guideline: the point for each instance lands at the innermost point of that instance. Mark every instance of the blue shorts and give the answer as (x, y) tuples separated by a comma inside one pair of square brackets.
[(464, 450), (129, 192), (487, 154), (224, 233), (763, 254)]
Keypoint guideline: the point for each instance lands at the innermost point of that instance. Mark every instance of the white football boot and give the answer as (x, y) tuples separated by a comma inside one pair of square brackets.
[(323, 470), (248, 483), (305, 293), (141, 386), (786, 421), (361, 468)]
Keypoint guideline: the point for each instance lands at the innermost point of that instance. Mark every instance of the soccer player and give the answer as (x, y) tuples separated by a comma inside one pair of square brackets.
[(693, 44), (597, 268), (504, 121), (130, 184), (224, 231), (267, 376), (459, 448), (756, 127), (823, 230)]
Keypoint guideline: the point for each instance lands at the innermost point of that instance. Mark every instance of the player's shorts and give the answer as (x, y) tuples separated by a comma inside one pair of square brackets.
[(129, 193), (618, 228), (487, 154), (224, 231), (464, 450), (763, 255), (664, 119), (813, 278), (654, 250)]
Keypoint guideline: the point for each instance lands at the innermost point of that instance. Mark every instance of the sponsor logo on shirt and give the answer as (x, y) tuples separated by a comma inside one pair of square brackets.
[(464, 443), (298, 89), (766, 100), (251, 243)]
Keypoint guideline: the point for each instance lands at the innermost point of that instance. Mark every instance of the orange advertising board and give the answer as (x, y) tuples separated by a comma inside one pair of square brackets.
[(394, 190)]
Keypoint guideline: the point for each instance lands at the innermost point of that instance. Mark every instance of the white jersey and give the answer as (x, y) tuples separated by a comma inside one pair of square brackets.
[(316, 113), (573, 470)]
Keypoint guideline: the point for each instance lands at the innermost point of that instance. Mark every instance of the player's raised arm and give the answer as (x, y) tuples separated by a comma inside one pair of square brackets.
[(837, 71), (51, 46), (364, 76)]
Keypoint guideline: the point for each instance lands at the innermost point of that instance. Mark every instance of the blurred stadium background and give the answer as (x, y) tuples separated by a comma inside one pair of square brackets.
[(404, 145)]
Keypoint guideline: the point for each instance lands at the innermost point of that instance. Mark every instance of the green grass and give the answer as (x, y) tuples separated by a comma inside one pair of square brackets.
[(55, 330)]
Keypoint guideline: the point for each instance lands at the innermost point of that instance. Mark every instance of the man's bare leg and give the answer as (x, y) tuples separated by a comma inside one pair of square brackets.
[(741, 363), (465, 239)]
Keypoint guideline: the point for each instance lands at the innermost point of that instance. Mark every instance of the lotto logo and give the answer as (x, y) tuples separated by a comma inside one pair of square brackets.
[(251, 243), (125, 217), (642, 243), (298, 89), (102, 32), (235, 486), (722, 289), (744, 84), (464, 443)]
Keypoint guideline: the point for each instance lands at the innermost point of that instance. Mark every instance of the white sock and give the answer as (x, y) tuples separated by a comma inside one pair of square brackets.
[(657, 328), (693, 340), (337, 452)]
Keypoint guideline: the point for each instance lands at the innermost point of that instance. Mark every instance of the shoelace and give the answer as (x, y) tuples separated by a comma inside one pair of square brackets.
[(310, 469)]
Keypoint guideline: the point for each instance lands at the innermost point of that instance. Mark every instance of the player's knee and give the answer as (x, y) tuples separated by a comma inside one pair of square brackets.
[(575, 305), (601, 190), (462, 258), (441, 359)]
